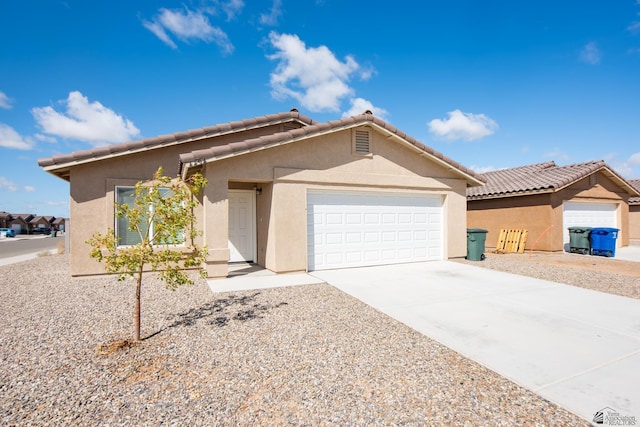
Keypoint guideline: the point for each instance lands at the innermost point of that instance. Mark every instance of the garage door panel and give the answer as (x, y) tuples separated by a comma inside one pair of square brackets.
[(356, 229)]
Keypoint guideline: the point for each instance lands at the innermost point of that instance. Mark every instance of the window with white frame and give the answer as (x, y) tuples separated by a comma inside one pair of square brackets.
[(127, 237)]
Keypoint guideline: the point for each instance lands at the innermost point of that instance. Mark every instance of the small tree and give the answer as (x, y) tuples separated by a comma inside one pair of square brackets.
[(160, 213)]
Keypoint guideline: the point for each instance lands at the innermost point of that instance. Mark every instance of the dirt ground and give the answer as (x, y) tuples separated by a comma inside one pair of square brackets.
[(586, 262)]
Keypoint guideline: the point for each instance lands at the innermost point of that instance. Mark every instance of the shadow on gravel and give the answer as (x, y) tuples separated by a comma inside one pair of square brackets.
[(221, 311)]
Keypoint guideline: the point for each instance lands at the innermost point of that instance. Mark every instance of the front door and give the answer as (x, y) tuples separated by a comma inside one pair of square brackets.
[(242, 225)]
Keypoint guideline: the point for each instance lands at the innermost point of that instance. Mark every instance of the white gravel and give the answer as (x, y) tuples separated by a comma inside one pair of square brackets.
[(302, 355)]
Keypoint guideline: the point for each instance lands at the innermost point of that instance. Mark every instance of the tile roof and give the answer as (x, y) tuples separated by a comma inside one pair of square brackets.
[(636, 184), (540, 178), (99, 153), (198, 157)]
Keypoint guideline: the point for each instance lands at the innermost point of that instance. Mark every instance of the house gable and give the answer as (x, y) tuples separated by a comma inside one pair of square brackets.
[(365, 122)]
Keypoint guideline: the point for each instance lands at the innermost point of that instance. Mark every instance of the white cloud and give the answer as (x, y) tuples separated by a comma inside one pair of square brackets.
[(629, 168), (5, 101), (232, 8), (634, 27), (89, 122), (187, 25), (45, 138), (312, 76), (271, 18), (466, 126), (29, 188), (360, 105), (483, 169), (591, 54), (557, 154), (6, 185), (9, 138)]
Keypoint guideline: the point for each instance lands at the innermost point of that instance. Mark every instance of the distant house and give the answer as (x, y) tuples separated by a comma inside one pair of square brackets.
[(546, 199), (4, 219), (285, 192), (634, 213), (58, 224), (39, 224), (20, 223)]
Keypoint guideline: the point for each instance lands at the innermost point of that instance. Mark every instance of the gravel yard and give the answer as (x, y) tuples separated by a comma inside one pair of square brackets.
[(306, 355), (597, 273)]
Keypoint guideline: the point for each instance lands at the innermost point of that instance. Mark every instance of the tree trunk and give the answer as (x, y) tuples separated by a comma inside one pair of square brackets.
[(136, 311)]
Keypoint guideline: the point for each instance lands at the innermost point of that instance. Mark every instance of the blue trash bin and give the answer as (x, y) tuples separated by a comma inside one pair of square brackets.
[(603, 241)]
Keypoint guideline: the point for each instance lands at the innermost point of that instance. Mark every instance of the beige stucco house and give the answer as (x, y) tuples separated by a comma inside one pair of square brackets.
[(546, 199), (634, 213), (286, 192)]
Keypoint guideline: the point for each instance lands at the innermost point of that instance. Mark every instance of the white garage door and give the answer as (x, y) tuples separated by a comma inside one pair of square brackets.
[(362, 229), (588, 215)]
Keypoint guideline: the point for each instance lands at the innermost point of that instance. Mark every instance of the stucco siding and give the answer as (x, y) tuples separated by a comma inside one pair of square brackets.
[(532, 213), (634, 223)]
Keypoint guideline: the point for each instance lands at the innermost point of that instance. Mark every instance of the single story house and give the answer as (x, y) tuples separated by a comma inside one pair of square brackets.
[(20, 223), (4, 219), (286, 192), (634, 213), (547, 199), (40, 224)]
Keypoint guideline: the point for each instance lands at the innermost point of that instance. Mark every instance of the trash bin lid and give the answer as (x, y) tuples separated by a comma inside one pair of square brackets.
[(580, 228), (604, 230), (477, 230)]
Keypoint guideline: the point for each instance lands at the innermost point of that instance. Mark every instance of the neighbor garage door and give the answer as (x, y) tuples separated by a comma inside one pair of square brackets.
[(362, 229), (588, 215)]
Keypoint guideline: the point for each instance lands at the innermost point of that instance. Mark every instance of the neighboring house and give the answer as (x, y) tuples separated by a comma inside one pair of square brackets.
[(58, 224), (634, 213), (20, 223), (4, 219), (285, 192), (39, 224), (546, 199)]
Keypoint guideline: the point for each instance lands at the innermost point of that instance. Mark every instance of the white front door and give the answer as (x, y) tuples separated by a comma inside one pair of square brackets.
[(242, 225)]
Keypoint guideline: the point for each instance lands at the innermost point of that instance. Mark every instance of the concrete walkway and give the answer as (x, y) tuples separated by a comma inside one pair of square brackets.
[(576, 347)]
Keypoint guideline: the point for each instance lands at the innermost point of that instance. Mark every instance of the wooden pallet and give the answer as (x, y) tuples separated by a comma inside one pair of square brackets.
[(511, 241)]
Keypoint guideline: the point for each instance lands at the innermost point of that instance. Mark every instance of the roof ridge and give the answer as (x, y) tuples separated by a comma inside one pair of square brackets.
[(317, 128), (531, 179), (176, 138)]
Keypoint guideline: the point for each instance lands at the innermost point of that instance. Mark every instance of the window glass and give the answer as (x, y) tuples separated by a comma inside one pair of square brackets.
[(126, 195), (125, 236)]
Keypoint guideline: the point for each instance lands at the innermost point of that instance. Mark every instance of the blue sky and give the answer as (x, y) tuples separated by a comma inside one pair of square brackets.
[(491, 84)]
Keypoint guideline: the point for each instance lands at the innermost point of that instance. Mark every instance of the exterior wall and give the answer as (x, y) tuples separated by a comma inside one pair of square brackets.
[(533, 213), (92, 191), (542, 215), (634, 224), (286, 173)]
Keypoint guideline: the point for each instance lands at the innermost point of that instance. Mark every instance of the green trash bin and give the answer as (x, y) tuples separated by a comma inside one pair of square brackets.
[(476, 238), (579, 240)]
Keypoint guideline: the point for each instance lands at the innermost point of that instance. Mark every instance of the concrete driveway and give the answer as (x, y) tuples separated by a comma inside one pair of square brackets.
[(576, 347)]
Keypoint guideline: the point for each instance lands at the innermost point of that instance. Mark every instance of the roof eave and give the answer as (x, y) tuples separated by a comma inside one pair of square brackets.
[(511, 194), (52, 167), (471, 180)]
